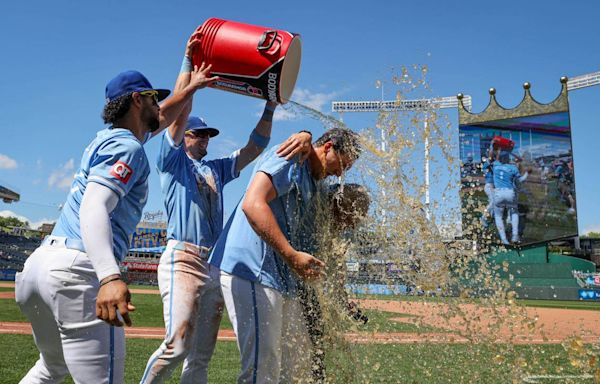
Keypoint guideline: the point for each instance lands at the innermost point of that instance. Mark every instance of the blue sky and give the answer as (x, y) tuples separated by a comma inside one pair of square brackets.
[(57, 57)]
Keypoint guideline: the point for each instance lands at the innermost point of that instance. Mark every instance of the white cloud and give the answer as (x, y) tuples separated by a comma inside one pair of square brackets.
[(7, 213), (223, 147), (7, 163), (314, 100), (32, 225), (38, 224), (591, 228), (62, 177)]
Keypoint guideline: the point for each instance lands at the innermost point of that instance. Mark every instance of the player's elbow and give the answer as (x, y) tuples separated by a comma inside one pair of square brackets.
[(249, 206), (252, 208)]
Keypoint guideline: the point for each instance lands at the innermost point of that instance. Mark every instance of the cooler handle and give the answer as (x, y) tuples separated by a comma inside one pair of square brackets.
[(263, 38)]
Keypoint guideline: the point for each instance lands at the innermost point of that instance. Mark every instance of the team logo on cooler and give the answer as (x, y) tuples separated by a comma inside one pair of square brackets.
[(121, 171)]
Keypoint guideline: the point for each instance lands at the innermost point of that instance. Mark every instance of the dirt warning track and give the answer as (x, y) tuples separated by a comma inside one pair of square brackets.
[(460, 323)]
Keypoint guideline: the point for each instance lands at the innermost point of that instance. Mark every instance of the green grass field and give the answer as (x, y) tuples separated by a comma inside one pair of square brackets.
[(355, 363), (411, 363)]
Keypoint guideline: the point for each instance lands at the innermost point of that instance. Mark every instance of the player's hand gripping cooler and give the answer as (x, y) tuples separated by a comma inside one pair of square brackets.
[(499, 142), (250, 60)]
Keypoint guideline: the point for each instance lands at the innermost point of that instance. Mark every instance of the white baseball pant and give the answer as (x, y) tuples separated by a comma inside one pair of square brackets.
[(192, 310), (271, 332), (57, 292), (488, 188), (506, 198)]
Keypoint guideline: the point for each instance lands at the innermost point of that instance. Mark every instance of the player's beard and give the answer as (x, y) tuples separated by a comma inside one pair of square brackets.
[(151, 120), (153, 124)]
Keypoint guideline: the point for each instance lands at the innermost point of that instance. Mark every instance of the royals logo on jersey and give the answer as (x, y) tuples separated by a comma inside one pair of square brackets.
[(121, 171)]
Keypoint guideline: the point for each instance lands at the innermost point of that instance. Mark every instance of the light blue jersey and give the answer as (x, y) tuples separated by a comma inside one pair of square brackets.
[(505, 175), (487, 171), (193, 193), (241, 252), (115, 159)]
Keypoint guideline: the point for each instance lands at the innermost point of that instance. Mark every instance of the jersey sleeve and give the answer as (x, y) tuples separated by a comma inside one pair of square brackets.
[(226, 167), (118, 164), (281, 172), (168, 153)]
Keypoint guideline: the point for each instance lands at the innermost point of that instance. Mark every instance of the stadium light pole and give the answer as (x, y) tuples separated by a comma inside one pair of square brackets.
[(423, 105), (418, 105)]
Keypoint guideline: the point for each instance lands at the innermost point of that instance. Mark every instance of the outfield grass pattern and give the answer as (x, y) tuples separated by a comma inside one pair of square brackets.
[(355, 363)]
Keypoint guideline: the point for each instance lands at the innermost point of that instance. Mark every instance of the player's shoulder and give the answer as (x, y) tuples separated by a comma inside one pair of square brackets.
[(119, 139)]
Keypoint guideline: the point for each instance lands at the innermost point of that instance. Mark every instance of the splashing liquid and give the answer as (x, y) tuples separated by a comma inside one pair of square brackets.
[(457, 320)]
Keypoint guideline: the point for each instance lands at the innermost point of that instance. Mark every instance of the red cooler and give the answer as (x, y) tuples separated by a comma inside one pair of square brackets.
[(250, 60), (503, 143)]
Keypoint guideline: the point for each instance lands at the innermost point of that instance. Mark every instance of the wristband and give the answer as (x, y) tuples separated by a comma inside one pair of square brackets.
[(110, 280), (186, 65), (269, 108), (260, 140)]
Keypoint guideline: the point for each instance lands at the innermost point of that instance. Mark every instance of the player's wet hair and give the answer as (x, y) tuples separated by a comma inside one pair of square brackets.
[(116, 109), (345, 141), (349, 203)]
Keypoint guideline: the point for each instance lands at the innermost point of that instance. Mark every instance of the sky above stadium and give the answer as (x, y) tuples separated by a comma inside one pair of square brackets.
[(57, 57)]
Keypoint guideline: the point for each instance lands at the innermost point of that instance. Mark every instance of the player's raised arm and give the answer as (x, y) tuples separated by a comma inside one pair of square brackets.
[(259, 138), (190, 79)]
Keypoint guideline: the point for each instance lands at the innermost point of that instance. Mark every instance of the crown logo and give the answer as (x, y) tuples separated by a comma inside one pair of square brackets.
[(527, 107)]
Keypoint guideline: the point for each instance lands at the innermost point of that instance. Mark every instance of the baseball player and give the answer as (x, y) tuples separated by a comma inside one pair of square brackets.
[(192, 189), (506, 178), (70, 288), (489, 186), (343, 208), (260, 255)]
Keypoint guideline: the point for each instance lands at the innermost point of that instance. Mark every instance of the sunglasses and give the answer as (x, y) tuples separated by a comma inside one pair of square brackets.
[(198, 133), (152, 93)]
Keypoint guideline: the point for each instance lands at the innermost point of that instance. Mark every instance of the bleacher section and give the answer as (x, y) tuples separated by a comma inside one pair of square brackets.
[(534, 273), (14, 250)]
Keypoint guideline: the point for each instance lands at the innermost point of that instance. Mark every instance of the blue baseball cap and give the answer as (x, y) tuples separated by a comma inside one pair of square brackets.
[(131, 81), (195, 123)]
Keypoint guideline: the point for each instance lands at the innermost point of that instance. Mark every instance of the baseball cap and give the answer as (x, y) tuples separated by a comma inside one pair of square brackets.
[(131, 81), (195, 123)]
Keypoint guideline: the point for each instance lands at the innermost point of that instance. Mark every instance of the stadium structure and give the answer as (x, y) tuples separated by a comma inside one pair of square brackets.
[(7, 195)]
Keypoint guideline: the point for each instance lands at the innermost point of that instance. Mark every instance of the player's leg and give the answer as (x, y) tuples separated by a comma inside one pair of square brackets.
[(489, 209), (181, 276), (256, 314), (50, 367), (296, 363), (210, 312), (499, 205), (313, 317), (513, 210), (93, 350)]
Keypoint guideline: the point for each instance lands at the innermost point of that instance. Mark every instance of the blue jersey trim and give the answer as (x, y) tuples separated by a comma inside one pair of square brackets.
[(111, 368), (108, 184), (256, 331), (171, 293)]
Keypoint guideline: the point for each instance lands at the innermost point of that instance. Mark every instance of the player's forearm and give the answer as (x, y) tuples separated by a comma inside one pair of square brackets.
[(172, 107), (261, 219), (259, 138), (96, 231)]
